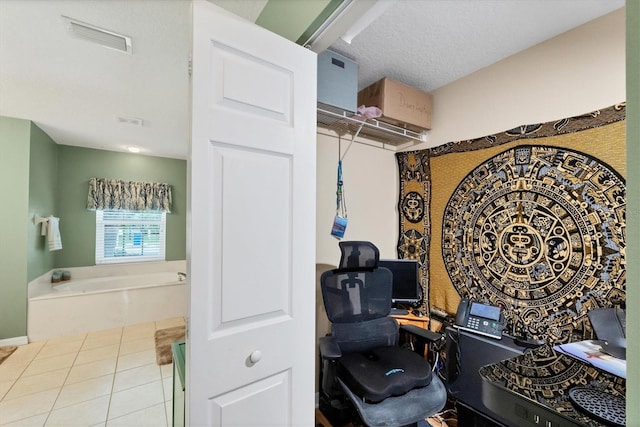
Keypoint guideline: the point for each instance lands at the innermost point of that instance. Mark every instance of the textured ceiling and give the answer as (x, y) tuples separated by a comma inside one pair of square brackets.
[(430, 43), (75, 90)]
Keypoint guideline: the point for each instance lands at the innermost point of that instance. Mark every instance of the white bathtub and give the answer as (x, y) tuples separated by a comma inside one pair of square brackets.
[(105, 297)]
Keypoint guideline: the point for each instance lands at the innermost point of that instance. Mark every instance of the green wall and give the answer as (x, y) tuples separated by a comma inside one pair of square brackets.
[(296, 20), (14, 175), (633, 211), (43, 180), (77, 225)]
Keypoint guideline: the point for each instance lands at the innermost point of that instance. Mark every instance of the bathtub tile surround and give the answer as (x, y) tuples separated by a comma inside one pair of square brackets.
[(104, 297), (103, 378)]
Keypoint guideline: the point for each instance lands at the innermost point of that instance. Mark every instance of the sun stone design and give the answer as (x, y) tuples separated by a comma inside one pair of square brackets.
[(530, 247), (539, 229)]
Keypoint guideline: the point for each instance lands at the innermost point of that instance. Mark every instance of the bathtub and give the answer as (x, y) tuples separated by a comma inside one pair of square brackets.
[(105, 297)]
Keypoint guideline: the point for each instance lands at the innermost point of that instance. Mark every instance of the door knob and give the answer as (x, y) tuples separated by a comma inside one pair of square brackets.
[(255, 356)]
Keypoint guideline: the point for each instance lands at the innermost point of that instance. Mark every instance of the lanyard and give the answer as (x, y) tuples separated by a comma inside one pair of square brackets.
[(341, 203), (341, 206)]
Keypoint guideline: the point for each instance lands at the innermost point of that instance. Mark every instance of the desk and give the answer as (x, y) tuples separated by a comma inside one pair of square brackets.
[(419, 321), (535, 387), (412, 319), (466, 353)]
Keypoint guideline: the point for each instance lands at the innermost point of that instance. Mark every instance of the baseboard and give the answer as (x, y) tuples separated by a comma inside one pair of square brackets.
[(15, 341)]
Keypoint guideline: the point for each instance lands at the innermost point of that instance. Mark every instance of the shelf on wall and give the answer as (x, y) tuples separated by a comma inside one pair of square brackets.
[(343, 122)]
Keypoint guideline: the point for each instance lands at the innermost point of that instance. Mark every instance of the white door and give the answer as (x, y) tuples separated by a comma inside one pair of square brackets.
[(251, 339)]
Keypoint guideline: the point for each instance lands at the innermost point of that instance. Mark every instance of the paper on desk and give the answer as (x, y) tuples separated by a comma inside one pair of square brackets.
[(591, 353)]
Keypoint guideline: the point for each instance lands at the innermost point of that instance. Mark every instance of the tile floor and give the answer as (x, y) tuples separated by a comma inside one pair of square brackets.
[(106, 378)]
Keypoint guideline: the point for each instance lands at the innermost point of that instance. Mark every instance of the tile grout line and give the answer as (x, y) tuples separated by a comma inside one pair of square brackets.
[(85, 338), (73, 364), (22, 371), (48, 413), (65, 380), (164, 394), (113, 382), (113, 385)]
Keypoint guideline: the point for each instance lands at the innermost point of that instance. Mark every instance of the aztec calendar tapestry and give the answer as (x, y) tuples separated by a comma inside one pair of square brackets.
[(538, 229)]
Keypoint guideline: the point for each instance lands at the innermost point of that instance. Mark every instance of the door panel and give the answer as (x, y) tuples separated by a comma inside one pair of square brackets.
[(251, 337), (251, 85), (253, 203), (258, 88), (236, 407)]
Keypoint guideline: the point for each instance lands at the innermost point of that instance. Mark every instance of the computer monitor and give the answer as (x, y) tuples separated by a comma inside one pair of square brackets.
[(406, 287)]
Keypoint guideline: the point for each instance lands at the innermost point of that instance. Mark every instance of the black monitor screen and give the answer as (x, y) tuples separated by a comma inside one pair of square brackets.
[(406, 286)]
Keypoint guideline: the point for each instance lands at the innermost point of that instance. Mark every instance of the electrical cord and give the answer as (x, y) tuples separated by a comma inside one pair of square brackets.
[(458, 355)]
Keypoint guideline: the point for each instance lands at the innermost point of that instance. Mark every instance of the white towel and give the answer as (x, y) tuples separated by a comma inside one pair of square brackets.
[(53, 234)]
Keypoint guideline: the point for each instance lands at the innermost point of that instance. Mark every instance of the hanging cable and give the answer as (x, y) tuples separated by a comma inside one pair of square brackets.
[(353, 138)]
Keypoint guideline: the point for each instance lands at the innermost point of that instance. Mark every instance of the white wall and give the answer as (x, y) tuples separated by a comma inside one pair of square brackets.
[(574, 73), (370, 176)]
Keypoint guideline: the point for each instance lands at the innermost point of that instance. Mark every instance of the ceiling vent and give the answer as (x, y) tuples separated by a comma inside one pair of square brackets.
[(98, 35), (134, 121)]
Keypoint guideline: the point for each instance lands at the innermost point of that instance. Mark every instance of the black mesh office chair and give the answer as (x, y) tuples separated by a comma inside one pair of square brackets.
[(388, 385)]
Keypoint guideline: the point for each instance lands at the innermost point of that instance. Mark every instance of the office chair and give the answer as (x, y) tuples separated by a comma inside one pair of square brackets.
[(388, 385)]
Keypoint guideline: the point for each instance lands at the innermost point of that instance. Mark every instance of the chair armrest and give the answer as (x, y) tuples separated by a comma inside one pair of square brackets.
[(329, 348), (421, 333)]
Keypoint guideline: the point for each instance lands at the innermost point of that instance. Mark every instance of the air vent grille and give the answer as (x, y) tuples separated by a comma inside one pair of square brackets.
[(98, 35), (134, 121)]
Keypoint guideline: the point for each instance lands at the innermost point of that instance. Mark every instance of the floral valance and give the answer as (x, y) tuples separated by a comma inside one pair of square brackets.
[(115, 194)]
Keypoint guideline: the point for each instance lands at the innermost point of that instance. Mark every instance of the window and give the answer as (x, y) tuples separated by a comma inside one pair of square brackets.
[(130, 236)]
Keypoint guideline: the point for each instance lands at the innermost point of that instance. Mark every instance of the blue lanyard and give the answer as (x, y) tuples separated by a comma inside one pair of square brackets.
[(341, 208)]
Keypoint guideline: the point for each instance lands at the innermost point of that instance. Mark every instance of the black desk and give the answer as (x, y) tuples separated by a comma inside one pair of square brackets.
[(466, 353), (535, 387)]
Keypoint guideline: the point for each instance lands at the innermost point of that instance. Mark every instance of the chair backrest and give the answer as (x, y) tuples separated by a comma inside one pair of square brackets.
[(358, 290), (357, 299), (358, 256)]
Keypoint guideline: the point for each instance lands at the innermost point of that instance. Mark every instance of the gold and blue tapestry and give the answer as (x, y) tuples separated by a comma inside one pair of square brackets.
[(531, 219)]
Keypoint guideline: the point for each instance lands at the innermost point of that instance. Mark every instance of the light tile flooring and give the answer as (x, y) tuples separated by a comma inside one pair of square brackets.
[(106, 378)]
